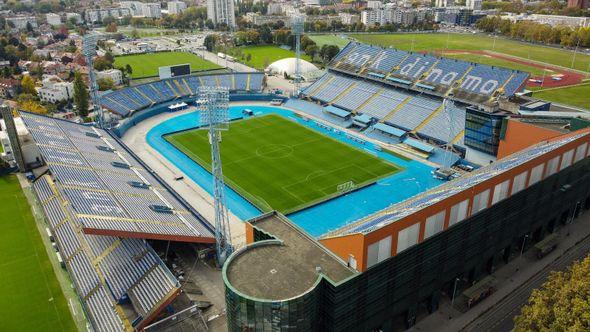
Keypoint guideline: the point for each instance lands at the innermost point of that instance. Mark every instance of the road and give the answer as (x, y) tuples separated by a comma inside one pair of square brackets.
[(500, 317)]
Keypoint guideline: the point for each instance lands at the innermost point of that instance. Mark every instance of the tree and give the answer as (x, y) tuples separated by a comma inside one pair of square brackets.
[(128, 69), (210, 42), (28, 85), (28, 103), (80, 95), (112, 27), (561, 304), (105, 83), (327, 52)]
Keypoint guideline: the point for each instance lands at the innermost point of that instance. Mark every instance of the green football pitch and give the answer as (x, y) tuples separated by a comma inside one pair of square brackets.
[(32, 299), (278, 164), (144, 65)]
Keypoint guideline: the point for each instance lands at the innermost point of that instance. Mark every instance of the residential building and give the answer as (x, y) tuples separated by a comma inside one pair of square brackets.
[(473, 4), (258, 19), (141, 9), (97, 15), (456, 15), (374, 4), (17, 23), (176, 7), (9, 88), (392, 14), (221, 11), (372, 17), (444, 3), (552, 20), (75, 16), (275, 8), (152, 10), (113, 74), (581, 4), (317, 2), (348, 18), (55, 90), (53, 19)]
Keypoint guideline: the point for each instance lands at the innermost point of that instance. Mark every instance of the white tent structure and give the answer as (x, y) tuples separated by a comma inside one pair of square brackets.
[(288, 65)]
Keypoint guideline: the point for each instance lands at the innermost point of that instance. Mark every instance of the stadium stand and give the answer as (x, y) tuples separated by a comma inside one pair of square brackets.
[(424, 72), (110, 192), (106, 270), (470, 180), (402, 109), (126, 101)]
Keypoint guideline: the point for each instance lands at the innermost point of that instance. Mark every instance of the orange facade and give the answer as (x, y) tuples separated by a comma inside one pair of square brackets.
[(520, 135), (347, 245)]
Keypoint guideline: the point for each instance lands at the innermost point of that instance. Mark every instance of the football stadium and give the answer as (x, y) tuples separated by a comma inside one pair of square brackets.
[(354, 204)]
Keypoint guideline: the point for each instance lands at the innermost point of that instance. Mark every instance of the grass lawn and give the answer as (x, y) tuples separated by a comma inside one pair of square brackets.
[(147, 64), (574, 95), (278, 164), (32, 299), (262, 55), (431, 42), (488, 60), (321, 40)]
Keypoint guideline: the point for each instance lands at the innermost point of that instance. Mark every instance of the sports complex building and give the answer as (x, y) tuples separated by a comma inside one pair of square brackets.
[(383, 183)]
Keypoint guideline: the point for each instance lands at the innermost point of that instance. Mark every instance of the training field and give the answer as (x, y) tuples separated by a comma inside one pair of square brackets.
[(278, 164), (578, 96), (434, 41), (262, 56), (144, 65), (32, 299), (322, 40), (494, 61)]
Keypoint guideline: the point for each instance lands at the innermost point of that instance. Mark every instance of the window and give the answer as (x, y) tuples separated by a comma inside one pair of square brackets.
[(519, 182), (407, 237), (536, 174), (458, 212), (566, 161), (580, 152), (552, 166), (379, 251), (480, 201), (500, 191), (434, 224)]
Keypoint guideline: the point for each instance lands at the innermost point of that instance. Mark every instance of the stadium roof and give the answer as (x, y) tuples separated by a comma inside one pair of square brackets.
[(337, 111), (403, 209), (389, 129), (110, 191), (106, 270)]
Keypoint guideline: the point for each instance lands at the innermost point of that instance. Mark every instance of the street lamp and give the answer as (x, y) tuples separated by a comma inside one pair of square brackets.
[(454, 291), (523, 242)]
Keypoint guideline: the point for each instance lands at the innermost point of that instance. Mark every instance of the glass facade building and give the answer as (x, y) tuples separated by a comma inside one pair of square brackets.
[(482, 130)]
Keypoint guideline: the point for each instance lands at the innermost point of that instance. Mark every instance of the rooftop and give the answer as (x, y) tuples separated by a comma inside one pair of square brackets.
[(279, 272)]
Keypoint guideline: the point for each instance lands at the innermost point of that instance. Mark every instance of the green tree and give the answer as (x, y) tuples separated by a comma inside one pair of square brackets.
[(561, 304), (128, 69), (105, 83), (80, 95), (28, 85), (210, 42)]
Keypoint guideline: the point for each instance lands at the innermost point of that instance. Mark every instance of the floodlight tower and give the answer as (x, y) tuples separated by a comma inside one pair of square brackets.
[(297, 27), (214, 114), (89, 50), (448, 108)]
